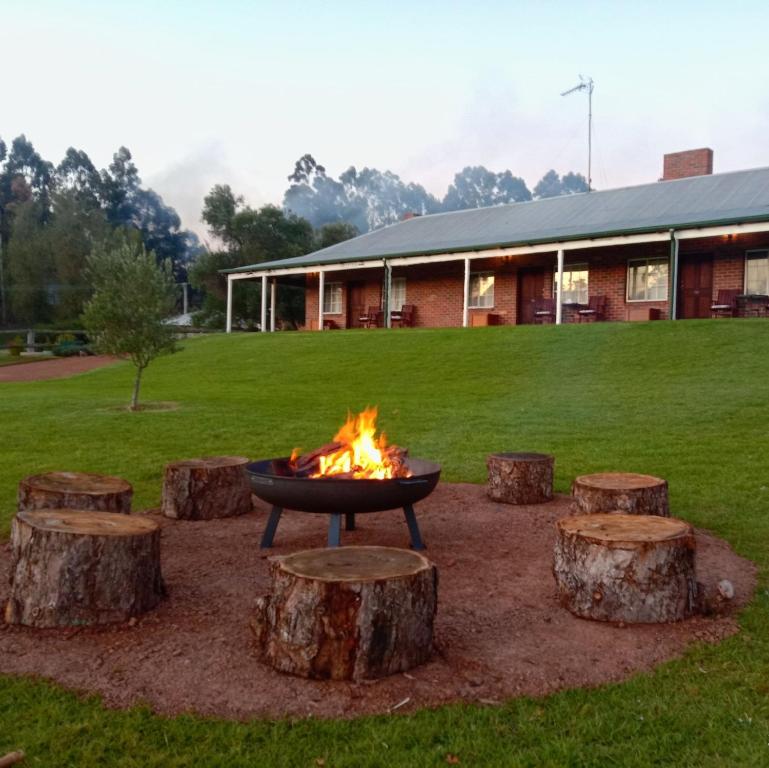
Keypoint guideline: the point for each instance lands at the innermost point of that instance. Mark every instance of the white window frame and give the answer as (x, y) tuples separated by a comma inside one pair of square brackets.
[(477, 277), (573, 268), (765, 252), (401, 283), (637, 262), (332, 298)]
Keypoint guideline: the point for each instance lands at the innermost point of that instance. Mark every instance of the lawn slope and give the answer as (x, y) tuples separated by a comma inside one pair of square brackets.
[(685, 400)]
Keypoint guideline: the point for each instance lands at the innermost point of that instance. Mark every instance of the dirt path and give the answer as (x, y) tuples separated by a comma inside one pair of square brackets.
[(499, 633), (55, 368)]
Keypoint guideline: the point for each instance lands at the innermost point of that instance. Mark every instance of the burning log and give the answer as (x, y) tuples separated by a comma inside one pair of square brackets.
[(76, 567), (353, 613), (355, 453), (630, 568), (309, 463), (75, 490)]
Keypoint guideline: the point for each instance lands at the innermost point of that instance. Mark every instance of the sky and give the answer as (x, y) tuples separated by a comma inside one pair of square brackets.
[(234, 92)]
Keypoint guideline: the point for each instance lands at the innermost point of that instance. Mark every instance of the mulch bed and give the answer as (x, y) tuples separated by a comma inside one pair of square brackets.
[(55, 368), (500, 631)]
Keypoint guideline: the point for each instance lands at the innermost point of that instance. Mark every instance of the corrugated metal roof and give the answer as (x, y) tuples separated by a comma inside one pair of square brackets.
[(724, 198)]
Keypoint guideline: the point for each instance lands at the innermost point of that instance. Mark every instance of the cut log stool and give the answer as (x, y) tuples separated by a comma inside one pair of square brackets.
[(77, 567), (75, 490), (620, 492), (520, 478), (350, 613), (203, 489), (629, 568)]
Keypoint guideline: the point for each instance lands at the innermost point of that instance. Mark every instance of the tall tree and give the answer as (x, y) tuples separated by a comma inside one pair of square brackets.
[(30, 265), (133, 295), (336, 232), (74, 229), (477, 187), (552, 185), (250, 236), (78, 175)]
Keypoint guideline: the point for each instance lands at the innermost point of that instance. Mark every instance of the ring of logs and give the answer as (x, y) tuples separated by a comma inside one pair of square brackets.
[(75, 490), (348, 613), (78, 567), (620, 492), (520, 478), (203, 489), (628, 568)]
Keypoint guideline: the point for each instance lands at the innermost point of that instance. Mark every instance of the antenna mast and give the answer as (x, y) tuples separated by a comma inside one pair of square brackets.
[(587, 84)]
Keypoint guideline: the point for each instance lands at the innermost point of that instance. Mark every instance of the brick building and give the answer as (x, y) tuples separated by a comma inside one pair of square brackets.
[(653, 251)]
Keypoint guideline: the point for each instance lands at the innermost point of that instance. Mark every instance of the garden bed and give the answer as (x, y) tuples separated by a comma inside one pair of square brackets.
[(500, 631)]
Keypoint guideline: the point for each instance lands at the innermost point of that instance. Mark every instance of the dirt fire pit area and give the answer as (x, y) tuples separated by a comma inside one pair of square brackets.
[(499, 631)]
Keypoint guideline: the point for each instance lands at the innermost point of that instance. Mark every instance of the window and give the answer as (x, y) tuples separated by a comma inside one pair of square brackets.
[(397, 293), (481, 290), (574, 284), (757, 272), (332, 299), (647, 280)]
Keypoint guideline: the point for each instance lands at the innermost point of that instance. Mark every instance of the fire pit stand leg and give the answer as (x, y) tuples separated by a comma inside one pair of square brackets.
[(411, 521), (271, 527), (335, 530), (349, 521)]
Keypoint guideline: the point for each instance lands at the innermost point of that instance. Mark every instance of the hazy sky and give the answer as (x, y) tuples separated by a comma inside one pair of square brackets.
[(234, 92)]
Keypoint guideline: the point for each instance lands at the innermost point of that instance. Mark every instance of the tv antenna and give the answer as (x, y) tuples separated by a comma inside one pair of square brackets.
[(587, 84)]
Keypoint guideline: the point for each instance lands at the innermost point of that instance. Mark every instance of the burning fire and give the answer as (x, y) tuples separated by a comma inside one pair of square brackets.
[(357, 453)]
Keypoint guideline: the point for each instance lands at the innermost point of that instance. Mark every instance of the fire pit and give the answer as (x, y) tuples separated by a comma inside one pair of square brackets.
[(357, 473)]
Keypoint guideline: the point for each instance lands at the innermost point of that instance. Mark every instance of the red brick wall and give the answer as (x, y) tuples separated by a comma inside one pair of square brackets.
[(693, 162), (436, 289)]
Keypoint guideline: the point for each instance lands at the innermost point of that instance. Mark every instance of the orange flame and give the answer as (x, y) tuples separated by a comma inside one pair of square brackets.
[(362, 454)]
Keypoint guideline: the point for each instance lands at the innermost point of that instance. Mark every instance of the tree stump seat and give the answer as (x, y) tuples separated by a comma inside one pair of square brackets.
[(520, 478), (207, 488), (620, 492), (78, 567), (347, 613), (75, 490), (628, 568)]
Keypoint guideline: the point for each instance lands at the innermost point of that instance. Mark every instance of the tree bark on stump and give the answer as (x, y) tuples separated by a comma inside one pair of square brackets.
[(520, 478), (75, 490), (203, 489), (77, 567), (629, 568), (620, 492), (350, 613)]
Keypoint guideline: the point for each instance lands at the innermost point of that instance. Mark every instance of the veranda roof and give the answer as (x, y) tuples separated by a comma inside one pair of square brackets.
[(719, 199)]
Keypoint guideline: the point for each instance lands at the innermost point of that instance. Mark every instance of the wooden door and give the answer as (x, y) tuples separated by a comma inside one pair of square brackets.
[(355, 304), (695, 285), (531, 288)]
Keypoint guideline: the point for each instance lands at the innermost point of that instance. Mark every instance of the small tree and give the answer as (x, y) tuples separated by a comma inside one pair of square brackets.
[(132, 297)]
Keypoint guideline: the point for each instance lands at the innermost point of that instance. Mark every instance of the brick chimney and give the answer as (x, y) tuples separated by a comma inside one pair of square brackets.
[(693, 162), (409, 215)]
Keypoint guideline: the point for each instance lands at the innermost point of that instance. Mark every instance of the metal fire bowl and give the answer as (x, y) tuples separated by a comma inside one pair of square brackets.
[(272, 481)]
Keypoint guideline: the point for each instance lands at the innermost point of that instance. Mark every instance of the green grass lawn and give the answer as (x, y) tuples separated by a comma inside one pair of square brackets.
[(686, 400)]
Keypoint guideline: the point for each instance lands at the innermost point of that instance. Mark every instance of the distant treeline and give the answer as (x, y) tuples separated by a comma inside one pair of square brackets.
[(369, 198), (51, 217)]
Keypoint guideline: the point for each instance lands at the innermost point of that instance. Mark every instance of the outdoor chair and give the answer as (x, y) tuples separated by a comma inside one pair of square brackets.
[(370, 318), (544, 311), (725, 304), (404, 317), (595, 310)]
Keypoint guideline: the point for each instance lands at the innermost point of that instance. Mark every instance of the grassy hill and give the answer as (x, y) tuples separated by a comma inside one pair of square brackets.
[(687, 400)]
